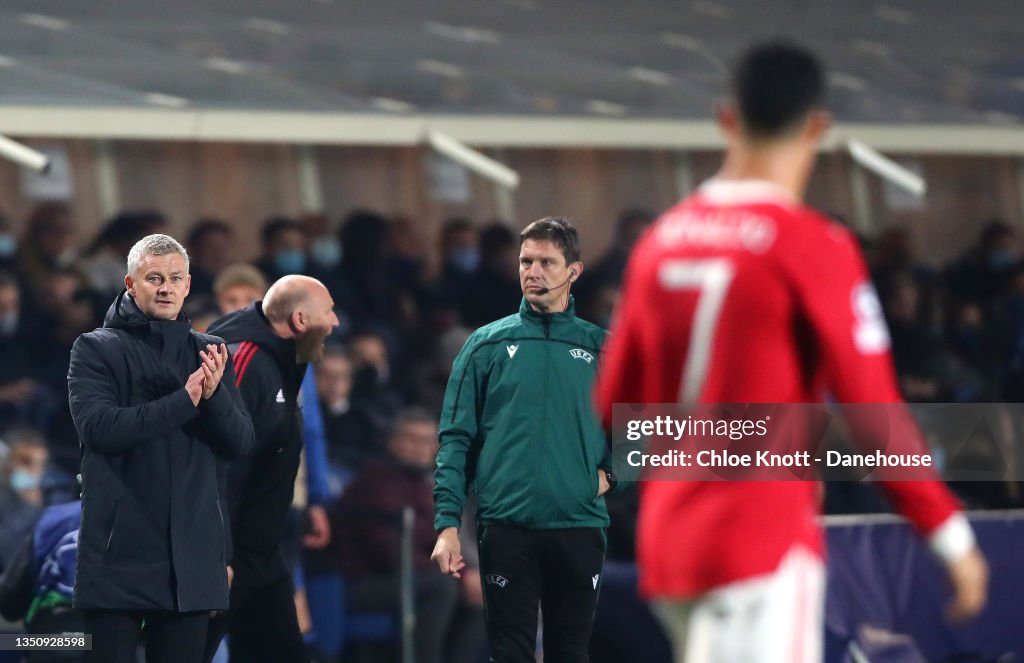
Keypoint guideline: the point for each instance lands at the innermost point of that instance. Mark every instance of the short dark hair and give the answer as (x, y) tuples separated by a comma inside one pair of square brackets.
[(557, 230), (775, 85), (412, 414), (495, 238), (452, 227), (204, 228), (276, 226)]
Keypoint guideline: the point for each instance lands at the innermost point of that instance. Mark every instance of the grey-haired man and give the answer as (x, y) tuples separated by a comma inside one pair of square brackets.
[(155, 404)]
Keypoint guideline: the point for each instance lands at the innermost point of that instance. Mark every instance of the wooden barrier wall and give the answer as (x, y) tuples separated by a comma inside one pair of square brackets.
[(246, 183)]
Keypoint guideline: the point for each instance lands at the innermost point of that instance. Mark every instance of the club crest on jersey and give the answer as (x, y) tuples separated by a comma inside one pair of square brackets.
[(577, 353), (870, 333), (495, 579)]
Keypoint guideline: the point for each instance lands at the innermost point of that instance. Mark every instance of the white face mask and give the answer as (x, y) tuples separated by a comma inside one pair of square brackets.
[(326, 251), (21, 480), (339, 408), (8, 246)]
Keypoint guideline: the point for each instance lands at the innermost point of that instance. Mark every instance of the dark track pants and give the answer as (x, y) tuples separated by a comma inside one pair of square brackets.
[(261, 625), (558, 570), (170, 637)]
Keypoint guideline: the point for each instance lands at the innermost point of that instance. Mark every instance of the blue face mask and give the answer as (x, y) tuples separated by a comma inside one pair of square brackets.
[(1001, 259), (290, 261), (326, 251), (465, 259), (8, 246), (22, 480)]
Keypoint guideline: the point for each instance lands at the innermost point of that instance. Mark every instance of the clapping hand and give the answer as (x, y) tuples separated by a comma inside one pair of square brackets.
[(195, 385), (215, 360)]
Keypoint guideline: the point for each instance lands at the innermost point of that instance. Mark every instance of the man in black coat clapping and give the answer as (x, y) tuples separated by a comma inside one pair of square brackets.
[(155, 405)]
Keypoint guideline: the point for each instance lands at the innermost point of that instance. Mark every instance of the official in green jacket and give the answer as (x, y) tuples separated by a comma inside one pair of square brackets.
[(518, 427)]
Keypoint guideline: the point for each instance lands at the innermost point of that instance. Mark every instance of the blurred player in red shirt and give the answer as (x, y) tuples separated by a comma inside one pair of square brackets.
[(759, 300)]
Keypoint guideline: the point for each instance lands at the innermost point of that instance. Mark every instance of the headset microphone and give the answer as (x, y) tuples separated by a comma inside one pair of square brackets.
[(544, 291)]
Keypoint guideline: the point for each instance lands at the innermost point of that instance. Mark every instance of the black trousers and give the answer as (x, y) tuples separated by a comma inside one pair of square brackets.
[(558, 570), (261, 625), (170, 637)]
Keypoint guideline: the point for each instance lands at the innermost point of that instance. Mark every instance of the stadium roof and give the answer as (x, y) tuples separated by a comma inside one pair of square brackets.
[(511, 72)]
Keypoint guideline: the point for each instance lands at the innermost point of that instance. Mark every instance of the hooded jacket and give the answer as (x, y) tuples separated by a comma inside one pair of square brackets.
[(153, 531), (260, 485)]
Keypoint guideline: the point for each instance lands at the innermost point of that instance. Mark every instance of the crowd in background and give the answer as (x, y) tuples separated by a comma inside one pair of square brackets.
[(407, 303)]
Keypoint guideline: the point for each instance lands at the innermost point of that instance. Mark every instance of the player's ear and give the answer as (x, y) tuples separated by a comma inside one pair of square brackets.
[(818, 123), (575, 270), (728, 119)]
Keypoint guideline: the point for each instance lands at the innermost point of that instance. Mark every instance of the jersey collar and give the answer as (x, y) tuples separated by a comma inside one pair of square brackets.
[(526, 312), (719, 191)]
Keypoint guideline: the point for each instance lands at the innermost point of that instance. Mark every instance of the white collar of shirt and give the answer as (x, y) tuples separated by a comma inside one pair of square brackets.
[(720, 191)]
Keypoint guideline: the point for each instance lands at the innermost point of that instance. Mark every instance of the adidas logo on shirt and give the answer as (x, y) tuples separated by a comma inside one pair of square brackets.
[(280, 396)]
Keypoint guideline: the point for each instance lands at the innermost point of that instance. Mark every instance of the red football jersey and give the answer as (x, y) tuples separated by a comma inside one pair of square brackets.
[(740, 294)]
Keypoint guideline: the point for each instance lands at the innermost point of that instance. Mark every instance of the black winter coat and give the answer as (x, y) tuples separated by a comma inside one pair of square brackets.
[(259, 486), (153, 533)]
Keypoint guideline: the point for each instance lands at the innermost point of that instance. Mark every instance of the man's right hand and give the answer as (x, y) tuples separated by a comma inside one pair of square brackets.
[(194, 385), (448, 552), (969, 576)]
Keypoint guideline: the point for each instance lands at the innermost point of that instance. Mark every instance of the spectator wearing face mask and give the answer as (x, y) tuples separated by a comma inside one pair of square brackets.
[(492, 290), (284, 249), (983, 271), (364, 285), (21, 493), (460, 257), (8, 245), (324, 245)]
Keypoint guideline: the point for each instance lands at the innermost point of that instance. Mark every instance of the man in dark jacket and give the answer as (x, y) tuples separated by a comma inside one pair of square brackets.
[(155, 404), (271, 343)]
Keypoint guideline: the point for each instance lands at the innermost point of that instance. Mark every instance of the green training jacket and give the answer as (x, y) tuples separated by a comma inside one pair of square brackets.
[(519, 426)]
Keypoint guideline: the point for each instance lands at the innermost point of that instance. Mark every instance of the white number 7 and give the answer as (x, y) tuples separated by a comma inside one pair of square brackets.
[(712, 278)]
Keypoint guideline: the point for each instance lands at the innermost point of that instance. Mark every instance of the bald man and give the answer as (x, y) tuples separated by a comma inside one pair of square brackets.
[(270, 343)]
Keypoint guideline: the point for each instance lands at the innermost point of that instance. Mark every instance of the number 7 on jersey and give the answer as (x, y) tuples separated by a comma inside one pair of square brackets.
[(711, 278)]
